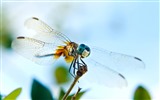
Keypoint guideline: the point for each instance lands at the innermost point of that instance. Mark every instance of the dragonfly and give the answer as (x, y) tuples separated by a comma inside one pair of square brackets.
[(48, 45)]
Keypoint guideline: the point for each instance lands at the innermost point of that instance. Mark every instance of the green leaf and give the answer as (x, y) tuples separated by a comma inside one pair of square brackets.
[(141, 94), (0, 97), (79, 95), (40, 92), (61, 75), (5, 32), (61, 94), (6, 40), (13, 95)]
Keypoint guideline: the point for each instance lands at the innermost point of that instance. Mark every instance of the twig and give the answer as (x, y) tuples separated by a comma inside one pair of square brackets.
[(71, 87), (74, 97), (82, 70)]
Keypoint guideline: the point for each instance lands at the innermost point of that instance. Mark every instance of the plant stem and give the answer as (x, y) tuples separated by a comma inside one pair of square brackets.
[(74, 97), (71, 87), (80, 72)]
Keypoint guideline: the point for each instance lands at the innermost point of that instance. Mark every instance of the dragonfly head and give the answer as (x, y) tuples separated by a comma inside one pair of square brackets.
[(83, 50)]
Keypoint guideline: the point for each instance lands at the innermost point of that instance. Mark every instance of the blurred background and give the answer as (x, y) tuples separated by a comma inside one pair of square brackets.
[(126, 27)]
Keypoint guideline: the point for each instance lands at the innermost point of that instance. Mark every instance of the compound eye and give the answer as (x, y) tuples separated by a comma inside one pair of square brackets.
[(80, 49), (88, 49), (82, 45)]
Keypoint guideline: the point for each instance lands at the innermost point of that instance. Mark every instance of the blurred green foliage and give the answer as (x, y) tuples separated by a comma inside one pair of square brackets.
[(62, 75), (6, 40), (0, 97), (62, 93), (78, 96), (13, 95), (141, 94), (40, 92), (5, 33)]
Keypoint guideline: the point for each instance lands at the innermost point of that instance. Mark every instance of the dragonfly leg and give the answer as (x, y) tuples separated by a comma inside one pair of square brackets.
[(83, 62), (72, 64), (78, 64)]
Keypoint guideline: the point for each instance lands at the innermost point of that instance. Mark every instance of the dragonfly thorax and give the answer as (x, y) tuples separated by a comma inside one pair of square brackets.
[(71, 48), (83, 50)]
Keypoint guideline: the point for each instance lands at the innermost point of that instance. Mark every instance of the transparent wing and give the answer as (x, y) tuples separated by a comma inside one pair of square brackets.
[(115, 60), (45, 32), (103, 75), (35, 50), (104, 67)]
